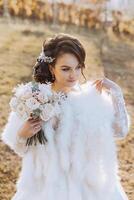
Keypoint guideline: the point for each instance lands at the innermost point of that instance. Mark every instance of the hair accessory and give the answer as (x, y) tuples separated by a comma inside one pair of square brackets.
[(43, 58)]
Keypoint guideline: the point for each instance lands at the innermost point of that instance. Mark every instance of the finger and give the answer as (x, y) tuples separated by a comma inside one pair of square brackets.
[(99, 84), (36, 124), (95, 82), (99, 87), (35, 120), (36, 129), (35, 132), (30, 118)]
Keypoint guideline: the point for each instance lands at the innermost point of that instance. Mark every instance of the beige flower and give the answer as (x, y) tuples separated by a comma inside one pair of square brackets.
[(42, 98), (26, 95), (20, 109), (32, 103), (47, 112)]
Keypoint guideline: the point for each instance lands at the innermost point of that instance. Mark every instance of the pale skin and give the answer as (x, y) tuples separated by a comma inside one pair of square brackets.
[(67, 72), (30, 127)]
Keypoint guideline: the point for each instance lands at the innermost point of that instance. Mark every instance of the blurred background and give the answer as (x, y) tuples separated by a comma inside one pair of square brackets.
[(106, 29)]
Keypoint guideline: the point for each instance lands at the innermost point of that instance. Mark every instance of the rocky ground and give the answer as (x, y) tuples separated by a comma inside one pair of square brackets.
[(20, 44)]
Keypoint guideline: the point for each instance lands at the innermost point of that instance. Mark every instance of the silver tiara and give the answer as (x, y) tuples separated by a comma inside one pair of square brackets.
[(43, 58)]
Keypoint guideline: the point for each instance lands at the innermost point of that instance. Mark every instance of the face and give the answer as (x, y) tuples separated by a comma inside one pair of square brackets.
[(67, 70)]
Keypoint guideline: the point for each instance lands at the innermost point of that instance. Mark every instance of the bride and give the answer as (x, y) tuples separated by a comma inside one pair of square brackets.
[(79, 160)]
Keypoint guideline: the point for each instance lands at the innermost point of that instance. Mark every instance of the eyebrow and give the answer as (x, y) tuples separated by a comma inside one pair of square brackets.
[(68, 66)]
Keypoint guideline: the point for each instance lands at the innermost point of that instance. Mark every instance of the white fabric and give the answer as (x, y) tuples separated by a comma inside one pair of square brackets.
[(79, 161)]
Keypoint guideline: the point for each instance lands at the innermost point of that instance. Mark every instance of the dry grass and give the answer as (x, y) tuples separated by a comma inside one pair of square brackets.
[(19, 46)]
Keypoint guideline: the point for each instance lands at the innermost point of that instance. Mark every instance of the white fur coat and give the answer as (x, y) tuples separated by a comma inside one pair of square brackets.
[(79, 162)]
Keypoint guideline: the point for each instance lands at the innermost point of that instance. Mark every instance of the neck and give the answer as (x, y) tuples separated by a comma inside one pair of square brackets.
[(58, 88)]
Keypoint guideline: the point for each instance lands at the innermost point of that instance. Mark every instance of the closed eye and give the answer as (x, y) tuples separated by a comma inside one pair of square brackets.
[(78, 67), (69, 68), (66, 69)]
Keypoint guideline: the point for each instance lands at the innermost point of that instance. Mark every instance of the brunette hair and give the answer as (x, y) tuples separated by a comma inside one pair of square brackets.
[(54, 47)]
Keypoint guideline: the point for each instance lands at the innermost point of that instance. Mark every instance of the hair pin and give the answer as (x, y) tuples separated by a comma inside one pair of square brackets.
[(43, 58)]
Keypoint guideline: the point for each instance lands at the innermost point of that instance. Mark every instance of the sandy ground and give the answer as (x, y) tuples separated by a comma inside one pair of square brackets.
[(20, 44)]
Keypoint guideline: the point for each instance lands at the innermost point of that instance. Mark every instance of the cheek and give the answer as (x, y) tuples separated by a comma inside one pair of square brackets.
[(78, 73), (61, 75)]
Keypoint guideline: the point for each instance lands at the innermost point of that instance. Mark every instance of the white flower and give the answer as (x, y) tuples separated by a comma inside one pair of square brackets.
[(32, 103), (47, 112), (26, 95), (25, 116), (13, 103), (22, 89), (20, 109)]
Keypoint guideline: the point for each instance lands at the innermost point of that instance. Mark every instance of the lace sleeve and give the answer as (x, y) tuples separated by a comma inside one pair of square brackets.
[(121, 122)]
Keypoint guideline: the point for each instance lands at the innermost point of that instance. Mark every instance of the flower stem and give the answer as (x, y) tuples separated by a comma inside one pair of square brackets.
[(39, 137)]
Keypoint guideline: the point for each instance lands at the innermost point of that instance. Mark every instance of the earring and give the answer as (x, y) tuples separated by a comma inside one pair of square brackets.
[(53, 77)]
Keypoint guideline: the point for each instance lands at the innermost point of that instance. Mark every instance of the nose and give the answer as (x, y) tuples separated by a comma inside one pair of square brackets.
[(72, 74)]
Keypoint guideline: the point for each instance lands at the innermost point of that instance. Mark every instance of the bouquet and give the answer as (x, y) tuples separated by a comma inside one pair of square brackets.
[(36, 100)]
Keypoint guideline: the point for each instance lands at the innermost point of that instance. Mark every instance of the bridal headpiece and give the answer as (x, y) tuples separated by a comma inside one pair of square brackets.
[(43, 58)]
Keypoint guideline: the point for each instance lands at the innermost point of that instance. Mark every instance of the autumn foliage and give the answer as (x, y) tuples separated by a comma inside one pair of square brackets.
[(70, 14), (65, 14)]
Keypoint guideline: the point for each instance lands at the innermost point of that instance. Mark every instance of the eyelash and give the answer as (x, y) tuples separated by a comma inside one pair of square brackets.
[(65, 69), (69, 69)]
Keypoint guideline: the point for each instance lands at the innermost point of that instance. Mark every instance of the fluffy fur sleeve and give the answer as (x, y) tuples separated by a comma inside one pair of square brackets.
[(104, 109), (9, 135)]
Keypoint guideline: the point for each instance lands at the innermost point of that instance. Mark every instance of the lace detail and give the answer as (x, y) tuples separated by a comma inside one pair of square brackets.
[(121, 115)]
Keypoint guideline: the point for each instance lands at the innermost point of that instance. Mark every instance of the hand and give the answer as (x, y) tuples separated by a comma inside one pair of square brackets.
[(105, 84), (30, 127)]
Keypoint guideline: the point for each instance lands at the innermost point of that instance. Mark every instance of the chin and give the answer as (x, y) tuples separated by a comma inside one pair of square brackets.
[(71, 84)]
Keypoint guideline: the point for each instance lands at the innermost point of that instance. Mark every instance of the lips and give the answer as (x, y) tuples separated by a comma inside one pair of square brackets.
[(71, 80)]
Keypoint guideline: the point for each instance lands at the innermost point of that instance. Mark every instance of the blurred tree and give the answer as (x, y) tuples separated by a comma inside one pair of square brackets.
[(55, 12), (5, 7)]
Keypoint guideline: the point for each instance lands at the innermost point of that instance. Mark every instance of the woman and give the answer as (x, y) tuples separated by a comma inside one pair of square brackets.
[(79, 160)]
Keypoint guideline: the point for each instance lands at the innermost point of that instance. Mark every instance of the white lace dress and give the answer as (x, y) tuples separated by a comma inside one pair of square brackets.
[(80, 159)]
